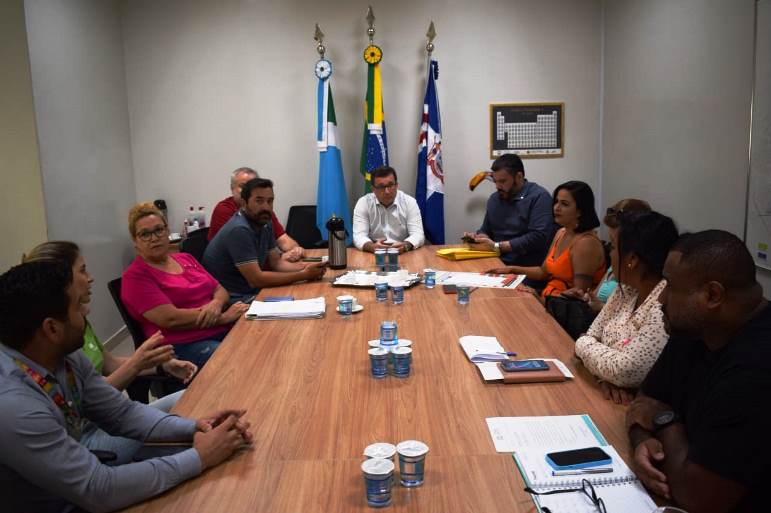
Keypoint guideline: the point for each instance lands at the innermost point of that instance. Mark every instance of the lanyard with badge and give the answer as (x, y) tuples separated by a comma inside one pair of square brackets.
[(70, 409)]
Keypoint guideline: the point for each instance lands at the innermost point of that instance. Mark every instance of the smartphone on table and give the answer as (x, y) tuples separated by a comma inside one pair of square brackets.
[(578, 458), (524, 365), (449, 289)]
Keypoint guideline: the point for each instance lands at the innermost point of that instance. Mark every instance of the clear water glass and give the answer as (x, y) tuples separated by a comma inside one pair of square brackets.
[(397, 293), (389, 333), (463, 294), (412, 461), (381, 291), (378, 359), (429, 278), (345, 306), (402, 361), (393, 259), (378, 480), (380, 260)]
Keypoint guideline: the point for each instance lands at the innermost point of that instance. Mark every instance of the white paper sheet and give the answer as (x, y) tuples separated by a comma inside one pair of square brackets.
[(555, 433), (482, 349), (476, 279), (300, 309)]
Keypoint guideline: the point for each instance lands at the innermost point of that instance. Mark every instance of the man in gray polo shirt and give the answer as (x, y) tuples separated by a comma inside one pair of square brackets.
[(48, 389), (243, 255)]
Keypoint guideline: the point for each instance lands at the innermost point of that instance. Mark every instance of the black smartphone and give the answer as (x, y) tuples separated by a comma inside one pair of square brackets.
[(578, 458), (449, 289), (467, 238), (312, 259), (524, 365)]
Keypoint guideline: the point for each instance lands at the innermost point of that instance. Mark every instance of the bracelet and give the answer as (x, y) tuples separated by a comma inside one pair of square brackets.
[(159, 371)]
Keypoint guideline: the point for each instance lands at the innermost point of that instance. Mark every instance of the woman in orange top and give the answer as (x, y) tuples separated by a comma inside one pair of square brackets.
[(576, 257)]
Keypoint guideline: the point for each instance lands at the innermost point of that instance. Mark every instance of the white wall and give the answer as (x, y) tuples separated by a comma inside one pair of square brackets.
[(213, 86), (22, 212), (76, 58), (678, 81)]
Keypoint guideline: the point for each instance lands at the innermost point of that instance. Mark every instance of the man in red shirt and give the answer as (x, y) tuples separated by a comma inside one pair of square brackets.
[(225, 209)]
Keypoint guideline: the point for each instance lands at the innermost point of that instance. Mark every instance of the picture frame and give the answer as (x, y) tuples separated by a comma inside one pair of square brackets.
[(530, 130)]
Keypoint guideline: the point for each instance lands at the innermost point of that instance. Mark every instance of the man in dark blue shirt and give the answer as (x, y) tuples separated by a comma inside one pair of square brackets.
[(519, 223), (245, 247)]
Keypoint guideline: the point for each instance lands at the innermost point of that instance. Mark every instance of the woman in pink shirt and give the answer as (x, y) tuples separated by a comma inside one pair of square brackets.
[(172, 292)]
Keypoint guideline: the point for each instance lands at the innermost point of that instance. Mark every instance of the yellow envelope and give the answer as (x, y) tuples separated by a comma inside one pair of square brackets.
[(464, 253)]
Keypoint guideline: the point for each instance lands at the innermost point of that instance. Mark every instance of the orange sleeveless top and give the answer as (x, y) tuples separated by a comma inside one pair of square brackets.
[(560, 269)]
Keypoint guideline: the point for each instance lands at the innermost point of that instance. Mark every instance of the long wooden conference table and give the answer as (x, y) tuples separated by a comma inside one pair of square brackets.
[(314, 406)]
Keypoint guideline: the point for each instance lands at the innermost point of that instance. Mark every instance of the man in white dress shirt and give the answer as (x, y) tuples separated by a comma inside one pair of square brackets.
[(387, 217)]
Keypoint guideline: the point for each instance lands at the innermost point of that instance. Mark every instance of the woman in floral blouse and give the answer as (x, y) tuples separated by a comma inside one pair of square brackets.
[(626, 338)]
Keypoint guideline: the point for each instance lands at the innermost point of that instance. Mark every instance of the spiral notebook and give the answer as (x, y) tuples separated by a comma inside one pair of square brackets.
[(620, 490)]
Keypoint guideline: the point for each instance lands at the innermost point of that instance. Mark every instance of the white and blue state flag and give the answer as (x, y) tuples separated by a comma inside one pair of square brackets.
[(429, 190), (331, 197)]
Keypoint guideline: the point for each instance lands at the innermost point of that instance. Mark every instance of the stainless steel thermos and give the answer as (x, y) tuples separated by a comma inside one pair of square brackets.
[(338, 258)]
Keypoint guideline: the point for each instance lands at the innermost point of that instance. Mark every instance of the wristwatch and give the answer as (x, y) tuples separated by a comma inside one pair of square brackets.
[(497, 247), (664, 419)]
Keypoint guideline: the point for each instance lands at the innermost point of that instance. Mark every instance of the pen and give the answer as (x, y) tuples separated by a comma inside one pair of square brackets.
[(602, 470)]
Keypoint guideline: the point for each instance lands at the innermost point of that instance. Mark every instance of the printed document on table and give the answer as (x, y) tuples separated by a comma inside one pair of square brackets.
[(298, 309), (478, 280), (556, 433)]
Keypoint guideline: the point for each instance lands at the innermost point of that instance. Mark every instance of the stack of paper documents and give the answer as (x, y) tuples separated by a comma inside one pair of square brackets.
[(490, 281), (300, 309), (362, 278)]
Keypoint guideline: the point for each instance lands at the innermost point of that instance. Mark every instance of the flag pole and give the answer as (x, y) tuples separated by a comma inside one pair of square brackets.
[(429, 186), (374, 148), (331, 195)]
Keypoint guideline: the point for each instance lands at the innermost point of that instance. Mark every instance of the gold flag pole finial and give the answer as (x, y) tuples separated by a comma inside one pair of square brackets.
[(319, 37), (371, 22), (431, 34)]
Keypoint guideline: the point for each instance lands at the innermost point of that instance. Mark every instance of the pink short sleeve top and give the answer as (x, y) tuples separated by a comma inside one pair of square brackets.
[(144, 288)]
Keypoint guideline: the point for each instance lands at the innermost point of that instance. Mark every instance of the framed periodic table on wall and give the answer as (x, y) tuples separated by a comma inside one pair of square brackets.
[(530, 130)]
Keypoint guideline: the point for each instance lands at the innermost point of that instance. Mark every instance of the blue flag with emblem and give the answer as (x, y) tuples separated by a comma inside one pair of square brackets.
[(429, 190), (331, 197)]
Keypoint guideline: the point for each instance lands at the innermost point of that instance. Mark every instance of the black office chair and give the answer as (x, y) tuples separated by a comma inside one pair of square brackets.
[(195, 243), (139, 389), (301, 226)]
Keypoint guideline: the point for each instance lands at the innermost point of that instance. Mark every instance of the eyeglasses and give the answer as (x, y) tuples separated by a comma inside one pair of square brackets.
[(614, 211), (147, 236), (385, 187), (586, 488)]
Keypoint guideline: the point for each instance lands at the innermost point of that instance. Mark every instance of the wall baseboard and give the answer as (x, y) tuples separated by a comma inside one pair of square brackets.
[(116, 338)]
